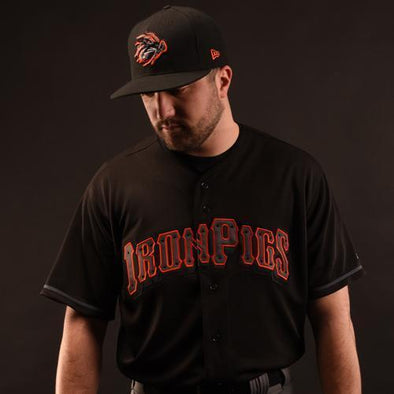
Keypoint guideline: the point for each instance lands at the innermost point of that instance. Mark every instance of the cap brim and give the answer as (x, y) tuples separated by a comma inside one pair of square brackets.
[(154, 83)]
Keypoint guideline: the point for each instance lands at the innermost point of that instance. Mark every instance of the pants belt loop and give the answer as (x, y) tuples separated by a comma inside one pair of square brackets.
[(286, 373)]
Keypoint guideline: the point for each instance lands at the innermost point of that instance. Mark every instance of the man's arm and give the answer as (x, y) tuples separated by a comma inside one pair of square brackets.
[(335, 340), (80, 354)]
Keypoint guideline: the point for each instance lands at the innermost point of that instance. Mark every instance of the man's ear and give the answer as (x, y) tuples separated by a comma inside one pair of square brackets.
[(225, 74)]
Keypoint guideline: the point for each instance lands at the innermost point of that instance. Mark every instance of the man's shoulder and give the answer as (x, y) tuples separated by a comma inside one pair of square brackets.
[(277, 149), (141, 145), (123, 161)]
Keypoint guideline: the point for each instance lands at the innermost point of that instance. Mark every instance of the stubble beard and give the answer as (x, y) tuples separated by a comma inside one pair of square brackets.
[(190, 138)]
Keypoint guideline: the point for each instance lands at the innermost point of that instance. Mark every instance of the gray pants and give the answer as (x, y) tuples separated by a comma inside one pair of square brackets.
[(258, 386), (286, 388)]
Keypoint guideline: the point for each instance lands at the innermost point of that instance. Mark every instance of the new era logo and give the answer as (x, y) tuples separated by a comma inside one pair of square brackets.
[(214, 54)]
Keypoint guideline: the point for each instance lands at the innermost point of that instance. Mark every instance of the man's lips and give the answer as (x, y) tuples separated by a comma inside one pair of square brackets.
[(170, 127)]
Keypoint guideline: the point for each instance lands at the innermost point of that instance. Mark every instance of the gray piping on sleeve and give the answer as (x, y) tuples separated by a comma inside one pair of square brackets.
[(338, 279), (93, 308)]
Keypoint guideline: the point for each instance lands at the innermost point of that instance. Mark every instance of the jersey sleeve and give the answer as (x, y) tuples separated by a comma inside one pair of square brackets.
[(333, 261), (86, 273)]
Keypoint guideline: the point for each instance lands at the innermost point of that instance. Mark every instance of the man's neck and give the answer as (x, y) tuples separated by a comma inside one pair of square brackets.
[(221, 139)]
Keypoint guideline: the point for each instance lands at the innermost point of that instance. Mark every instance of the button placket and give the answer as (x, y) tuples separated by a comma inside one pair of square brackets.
[(205, 208), (212, 299), (215, 338)]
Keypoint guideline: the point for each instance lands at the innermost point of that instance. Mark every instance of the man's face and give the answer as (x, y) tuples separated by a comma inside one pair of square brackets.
[(183, 118)]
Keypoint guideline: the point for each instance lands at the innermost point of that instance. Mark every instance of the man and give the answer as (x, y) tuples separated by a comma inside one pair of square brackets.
[(216, 240)]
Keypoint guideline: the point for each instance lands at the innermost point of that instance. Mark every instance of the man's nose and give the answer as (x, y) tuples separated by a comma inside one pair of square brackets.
[(164, 105)]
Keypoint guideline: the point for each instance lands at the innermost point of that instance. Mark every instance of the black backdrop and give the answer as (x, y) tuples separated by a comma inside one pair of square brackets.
[(318, 75)]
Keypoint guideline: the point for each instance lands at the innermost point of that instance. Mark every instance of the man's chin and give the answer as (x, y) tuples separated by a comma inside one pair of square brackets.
[(176, 146), (168, 144)]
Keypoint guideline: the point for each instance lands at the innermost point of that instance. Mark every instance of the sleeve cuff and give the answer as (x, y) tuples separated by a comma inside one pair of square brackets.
[(337, 284), (79, 305)]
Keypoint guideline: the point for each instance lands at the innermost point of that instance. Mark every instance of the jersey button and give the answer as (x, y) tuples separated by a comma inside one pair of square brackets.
[(217, 337), (221, 387), (206, 208), (204, 185), (213, 286)]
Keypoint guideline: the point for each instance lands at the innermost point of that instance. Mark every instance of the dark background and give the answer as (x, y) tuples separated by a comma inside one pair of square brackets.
[(318, 75)]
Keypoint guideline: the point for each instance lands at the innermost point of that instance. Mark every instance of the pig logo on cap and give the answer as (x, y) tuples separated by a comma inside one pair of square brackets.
[(149, 48)]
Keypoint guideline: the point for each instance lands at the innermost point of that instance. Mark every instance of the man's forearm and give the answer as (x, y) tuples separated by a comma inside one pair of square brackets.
[(80, 355), (337, 358), (78, 372)]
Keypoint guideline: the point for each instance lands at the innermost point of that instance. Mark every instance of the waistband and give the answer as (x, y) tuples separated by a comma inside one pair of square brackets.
[(257, 385)]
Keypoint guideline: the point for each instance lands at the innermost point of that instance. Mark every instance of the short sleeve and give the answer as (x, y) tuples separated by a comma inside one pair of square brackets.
[(333, 261), (86, 273)]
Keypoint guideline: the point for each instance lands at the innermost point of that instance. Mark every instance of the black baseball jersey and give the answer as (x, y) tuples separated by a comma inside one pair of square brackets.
[(212, 261)]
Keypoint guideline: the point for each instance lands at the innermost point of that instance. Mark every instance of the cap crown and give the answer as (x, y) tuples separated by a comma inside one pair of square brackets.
[(173, 40)]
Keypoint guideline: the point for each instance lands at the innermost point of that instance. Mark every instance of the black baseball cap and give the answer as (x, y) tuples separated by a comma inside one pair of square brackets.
[(173, 47)]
